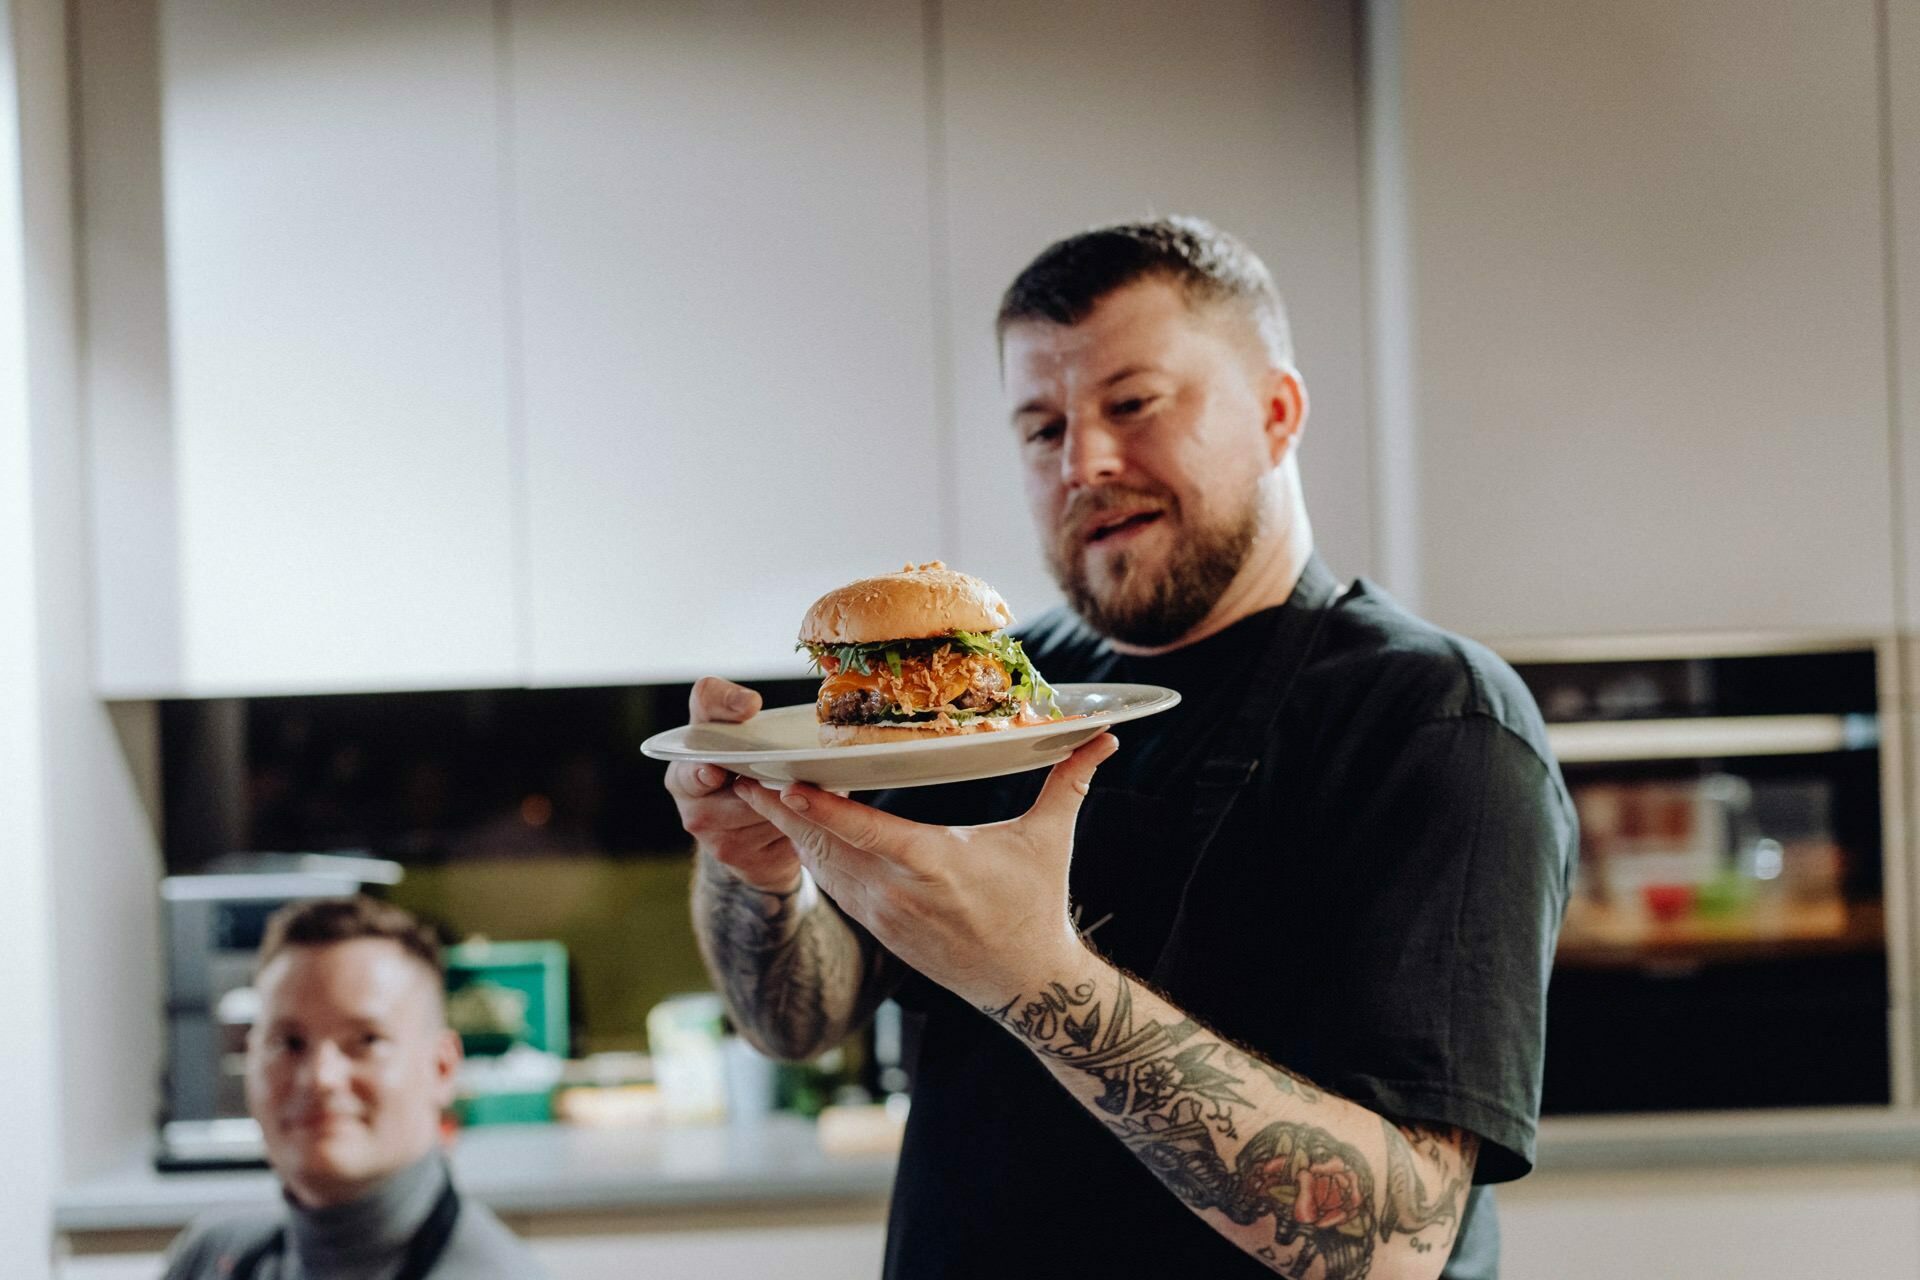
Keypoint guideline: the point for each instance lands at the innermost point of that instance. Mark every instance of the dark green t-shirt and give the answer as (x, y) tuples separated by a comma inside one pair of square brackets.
[(1378, 914)]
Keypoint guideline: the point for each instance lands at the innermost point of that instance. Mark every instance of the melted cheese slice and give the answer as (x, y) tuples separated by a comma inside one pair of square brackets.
[(853, 682)]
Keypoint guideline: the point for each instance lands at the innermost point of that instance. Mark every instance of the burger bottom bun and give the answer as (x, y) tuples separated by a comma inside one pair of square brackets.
[(853, 735)]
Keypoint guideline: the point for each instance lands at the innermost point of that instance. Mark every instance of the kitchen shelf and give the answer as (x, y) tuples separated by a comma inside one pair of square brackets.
[(1604, 941), (1713, 737)]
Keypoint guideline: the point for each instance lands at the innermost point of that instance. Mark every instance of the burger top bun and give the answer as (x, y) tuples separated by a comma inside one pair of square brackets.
[(920, 601)]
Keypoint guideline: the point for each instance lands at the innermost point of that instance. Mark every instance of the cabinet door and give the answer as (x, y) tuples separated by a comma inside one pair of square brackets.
[(747, 1250), (727, 317), (113, 1266), (1713, 1222), (1903, 126), (1651, 375), (1059, 116), (339, 426)]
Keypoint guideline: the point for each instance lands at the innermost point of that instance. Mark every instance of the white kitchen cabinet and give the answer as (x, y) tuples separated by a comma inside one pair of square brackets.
[(459, 344), (723, 1246), (1903, 84), (1059, 116), (798, 1250), (1761, 1223), (1647, 278), (726, 319), (112, 1266), (566, 343), (314, 488), (1735, 1223)]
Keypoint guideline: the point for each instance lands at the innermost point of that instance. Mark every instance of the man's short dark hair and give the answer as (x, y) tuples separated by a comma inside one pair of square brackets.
[(320, 921), (1071, 276)]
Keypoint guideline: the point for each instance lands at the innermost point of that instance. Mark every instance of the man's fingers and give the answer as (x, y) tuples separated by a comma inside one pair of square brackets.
[(853, 823), (1069, 781), (712, 701), (812, 845), (721, 701), (695, 781), (826, 855)]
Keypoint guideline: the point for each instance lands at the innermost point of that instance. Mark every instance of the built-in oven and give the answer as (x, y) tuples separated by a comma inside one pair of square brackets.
[(1734, 938)]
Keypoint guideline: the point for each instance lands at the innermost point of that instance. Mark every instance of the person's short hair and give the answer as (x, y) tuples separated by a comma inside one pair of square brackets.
[(1069, 277), (317, 922)]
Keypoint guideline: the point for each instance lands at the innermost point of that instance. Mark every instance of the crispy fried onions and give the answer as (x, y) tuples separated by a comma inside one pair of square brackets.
[(928, 683)]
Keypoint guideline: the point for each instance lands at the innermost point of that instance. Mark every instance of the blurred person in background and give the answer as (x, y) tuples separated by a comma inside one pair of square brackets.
[(350, 1066), (1267, 994)]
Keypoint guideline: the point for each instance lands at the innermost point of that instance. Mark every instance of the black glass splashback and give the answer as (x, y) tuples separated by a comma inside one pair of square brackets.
[(426, 778)]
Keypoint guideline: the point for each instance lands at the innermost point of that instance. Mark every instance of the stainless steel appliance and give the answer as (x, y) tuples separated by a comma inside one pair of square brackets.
[(214, 922)]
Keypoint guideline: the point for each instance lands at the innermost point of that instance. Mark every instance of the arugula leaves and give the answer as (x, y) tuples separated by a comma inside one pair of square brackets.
[(1027, 683), (853, 657)]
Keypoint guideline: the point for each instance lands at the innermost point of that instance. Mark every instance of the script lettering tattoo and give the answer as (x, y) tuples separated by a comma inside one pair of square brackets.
[(1169, 1092), (791, 979)]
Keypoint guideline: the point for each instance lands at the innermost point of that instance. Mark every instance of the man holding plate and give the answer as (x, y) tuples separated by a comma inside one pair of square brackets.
[(1262, 988)]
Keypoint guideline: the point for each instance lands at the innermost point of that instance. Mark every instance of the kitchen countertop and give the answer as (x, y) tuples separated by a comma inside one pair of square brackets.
[(1730, 1139), (778, 1163), (534, 1169)]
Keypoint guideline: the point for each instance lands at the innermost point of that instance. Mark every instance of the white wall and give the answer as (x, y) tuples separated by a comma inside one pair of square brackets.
[(1901, 32), (26, 996), (80, 908), (101, 850)]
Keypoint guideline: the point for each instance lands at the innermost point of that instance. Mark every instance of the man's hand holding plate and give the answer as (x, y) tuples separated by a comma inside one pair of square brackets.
[(726, 830), (981, 910)]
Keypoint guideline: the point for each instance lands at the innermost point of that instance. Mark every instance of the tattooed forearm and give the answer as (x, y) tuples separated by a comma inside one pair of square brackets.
[(1298, 1192), (1408, 1207), (796, 978), (1284, 1081)]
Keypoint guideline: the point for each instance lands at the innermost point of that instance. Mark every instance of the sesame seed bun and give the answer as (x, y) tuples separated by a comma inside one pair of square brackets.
[(919, 602)]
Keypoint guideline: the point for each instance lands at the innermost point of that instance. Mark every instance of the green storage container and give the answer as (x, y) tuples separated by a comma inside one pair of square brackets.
[(500, 994)]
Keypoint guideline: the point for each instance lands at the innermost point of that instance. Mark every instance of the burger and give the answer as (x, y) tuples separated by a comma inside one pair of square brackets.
[(919, 653)]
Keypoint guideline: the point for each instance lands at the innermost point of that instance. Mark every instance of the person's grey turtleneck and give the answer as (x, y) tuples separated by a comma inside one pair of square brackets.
[(364, 1239), (361, 1239)]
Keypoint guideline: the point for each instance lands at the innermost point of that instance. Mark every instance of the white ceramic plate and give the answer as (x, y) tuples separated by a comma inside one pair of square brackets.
[(783, 745)]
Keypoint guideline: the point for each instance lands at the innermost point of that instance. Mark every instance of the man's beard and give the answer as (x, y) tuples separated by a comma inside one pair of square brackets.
[(1152, 612)]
